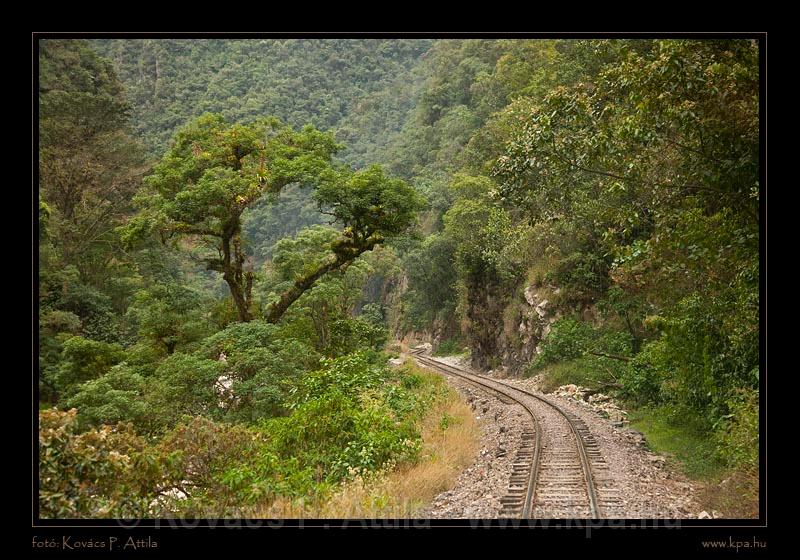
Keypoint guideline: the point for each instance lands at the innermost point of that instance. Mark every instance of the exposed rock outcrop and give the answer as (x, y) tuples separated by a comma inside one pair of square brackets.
[(533, 315)]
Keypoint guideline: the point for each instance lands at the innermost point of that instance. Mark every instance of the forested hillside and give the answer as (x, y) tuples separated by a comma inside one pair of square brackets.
[(233, 233), (360, 88)]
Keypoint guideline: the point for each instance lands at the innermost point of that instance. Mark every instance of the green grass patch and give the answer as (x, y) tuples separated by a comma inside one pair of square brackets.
[(691, 449), (690, 446), (729, 486)]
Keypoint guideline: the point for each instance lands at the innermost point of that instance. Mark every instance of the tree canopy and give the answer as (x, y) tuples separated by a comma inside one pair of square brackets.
[(215, 171)]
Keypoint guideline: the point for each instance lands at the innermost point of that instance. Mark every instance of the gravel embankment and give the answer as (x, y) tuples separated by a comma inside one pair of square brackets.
[(649, 487), (480, 486)]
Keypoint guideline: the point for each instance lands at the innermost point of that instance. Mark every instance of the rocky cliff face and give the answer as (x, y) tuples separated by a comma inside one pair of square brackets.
[(507, 334), (505, 331), (485, 315), (533, 317)]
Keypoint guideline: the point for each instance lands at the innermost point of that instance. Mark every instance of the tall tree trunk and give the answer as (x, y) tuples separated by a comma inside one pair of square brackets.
[(239, 299), (232, 273)]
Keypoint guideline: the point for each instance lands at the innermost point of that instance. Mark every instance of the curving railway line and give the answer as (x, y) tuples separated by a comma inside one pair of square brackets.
[(559, 470)]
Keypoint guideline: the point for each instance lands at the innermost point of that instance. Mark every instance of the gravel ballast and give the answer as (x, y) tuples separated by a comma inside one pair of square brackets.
[(649, 488)]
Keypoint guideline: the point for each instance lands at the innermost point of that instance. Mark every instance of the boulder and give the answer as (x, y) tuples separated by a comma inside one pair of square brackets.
[(426, 347)]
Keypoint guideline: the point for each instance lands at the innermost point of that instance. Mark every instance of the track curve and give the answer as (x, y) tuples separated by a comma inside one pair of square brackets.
[(555, 473)]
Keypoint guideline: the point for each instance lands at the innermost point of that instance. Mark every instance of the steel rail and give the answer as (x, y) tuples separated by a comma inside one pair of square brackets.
[(585, 464), (534, 470)]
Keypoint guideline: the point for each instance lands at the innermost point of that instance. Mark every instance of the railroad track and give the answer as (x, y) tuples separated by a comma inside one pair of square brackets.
[(559, 470)]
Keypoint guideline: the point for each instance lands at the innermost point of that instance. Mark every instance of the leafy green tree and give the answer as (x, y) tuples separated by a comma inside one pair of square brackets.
[(169, 315), (89, 165), (432, 277), (654, 164), (482, 231), (362, 88), (333, 299), (372, 207), (184, 384), (82, 360), (116, 396), (215, 171)]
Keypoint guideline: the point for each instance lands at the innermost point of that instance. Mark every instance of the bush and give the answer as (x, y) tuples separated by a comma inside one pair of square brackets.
[(183, 385), (262, 379), (53, 322), (590, 372), (349, 374), (114, 397), (374, 313), (83, 359), (341, 435), (262, 365), (567, 340), (350, 334), (737, 435), (217, 465), (582, 276), (350, 417), (90, 474), (571, 338), (642, 380), (240, 337), (95, 309)]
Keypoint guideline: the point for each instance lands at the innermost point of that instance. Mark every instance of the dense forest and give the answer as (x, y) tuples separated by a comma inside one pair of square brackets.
[(235, 236)]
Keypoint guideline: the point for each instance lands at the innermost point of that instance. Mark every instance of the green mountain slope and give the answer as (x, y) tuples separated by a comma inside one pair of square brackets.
[(362, 88)]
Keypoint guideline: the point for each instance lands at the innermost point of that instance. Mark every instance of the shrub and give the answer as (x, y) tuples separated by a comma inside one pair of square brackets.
[(339, 435), (83, 359), (90, 474), (349, 374), (56, 321), (642, 381), (571, 338), (239, 337), (353, 333), (374, 313), (183, 385), (351, 416), (208, 457), (582, 276), (737, 435), (567, 340), (114, 397), (591, 372)]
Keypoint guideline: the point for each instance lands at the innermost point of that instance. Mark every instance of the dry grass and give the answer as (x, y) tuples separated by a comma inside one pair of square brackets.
[(450, 437)]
